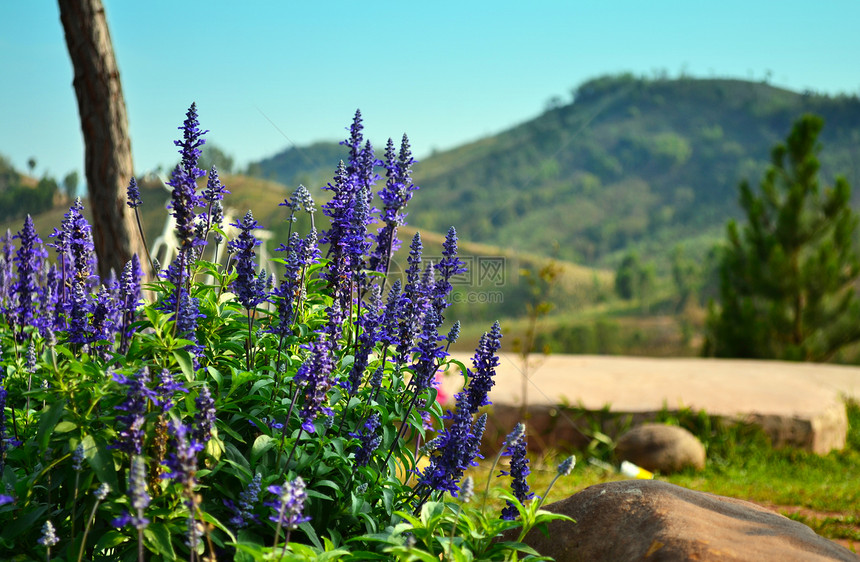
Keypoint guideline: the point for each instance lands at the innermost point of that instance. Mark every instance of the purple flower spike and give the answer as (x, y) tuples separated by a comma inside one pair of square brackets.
[(485, 362), (3, 440), (245, 285), (138, 496), (130, 296), (244, 512), (181, 464), (395, 196), (192, 140), (369, 440), (519, 471), (314, 376), (26, 291), (204, 418), (130, 438), (133, 191), (290, 503)]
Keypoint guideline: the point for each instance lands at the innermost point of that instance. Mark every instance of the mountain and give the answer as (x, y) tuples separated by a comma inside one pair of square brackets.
[(629, 163), (311, 166)]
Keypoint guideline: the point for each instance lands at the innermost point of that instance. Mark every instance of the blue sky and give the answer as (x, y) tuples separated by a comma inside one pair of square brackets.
[(266, 74)]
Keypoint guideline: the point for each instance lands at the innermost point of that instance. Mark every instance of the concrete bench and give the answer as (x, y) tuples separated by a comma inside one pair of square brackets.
[(797, 404)]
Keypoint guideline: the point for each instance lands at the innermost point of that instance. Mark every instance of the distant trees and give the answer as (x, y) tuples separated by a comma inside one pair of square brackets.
[(634, 279), (19, 197), (627, 276), (70, 184), (213, 155), (787, 279)]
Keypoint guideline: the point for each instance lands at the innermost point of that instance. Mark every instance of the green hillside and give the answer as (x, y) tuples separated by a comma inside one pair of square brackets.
[(630, 163), (311, 166)]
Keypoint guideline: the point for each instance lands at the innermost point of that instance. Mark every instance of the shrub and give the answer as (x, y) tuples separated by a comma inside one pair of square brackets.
[(232, 416)]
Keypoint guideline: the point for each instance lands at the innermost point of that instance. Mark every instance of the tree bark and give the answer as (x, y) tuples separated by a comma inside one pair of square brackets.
[(108, 162)]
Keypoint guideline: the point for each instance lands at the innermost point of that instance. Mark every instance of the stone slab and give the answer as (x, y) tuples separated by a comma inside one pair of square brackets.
[(799, 404)]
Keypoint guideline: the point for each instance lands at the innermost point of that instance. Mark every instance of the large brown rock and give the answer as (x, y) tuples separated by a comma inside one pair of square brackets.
[(656, 521), (661, 448)]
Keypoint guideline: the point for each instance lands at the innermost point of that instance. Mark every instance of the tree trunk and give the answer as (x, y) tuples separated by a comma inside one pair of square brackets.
[(108, 163)]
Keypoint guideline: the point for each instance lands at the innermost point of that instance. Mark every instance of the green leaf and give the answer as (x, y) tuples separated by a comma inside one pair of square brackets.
[(110, 539), (65, 427), (183, 358), (158, 540), (261, 444), (47, 423), (312, 535), (388, 499), (100, 458)]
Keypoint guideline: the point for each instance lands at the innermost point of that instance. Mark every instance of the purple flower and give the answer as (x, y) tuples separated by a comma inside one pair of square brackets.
[(565, 467), (459, 442), (413, 305), (212, 196), (49, 303), (519, 471), (7, 276), (375, 382), (339, 209), (244, 512), (3, 440), (334, 321), (137, 494), (204, 418), (300, 200), (130, 296), (184, 200), (449, 266), (192, 140), (49, 535), (289, 503), (453, 333), (78, 458), (485, 362), (80, 240), (368, 321), (286, 294), (181, 464), (6, 498), (389, 331), (79, 326), (179, 302), (75, 258), (30, 357), (105, 311), (430, 353), (167, 388), (369, 438), (467, 489), (314, 376), (243, 246), (133, 191), (26, 291), (361, 159), (456, 450), (130, 438), (395, 196)]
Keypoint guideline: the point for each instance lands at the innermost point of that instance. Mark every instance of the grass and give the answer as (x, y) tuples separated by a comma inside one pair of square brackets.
[(741, 464)]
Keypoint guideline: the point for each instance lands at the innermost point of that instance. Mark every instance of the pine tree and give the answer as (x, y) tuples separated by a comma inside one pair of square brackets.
[(787, 279)]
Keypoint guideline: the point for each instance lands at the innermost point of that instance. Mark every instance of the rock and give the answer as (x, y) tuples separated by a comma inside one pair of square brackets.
[(657, 521), (661, 448)]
